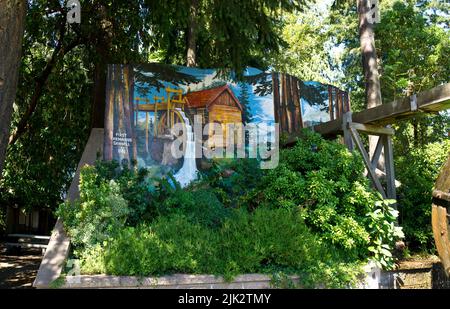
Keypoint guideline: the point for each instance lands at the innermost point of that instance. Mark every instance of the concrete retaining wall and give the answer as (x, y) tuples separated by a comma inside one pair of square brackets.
[(178, 281)]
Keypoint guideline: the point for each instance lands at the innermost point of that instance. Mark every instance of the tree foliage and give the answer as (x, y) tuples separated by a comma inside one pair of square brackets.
[(61, 84)]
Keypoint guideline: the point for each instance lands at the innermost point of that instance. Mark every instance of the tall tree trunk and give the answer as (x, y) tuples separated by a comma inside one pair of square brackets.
[(134, 114), (99, 95), (128, 114), (12, 21), (369, 62), (102, 41), (109, 116), (124, 153), (192, 35), (369, 56)]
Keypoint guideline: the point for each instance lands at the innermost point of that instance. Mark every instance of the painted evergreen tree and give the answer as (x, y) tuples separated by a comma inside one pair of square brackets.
[(244, 99)]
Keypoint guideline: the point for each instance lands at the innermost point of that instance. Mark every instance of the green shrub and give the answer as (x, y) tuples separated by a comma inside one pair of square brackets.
[(263, 241), (200, 206), (100, 212), (314, 215), (417, 171), (231, 180), (135, 188), (326, 180)]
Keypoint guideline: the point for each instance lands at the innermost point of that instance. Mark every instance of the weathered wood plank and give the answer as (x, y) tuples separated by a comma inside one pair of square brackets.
[(377, 153), (372, 129), (332, 127), (370, 170), (441, 236), (433, 100), (439, 216), (347, 120), (389, 163)]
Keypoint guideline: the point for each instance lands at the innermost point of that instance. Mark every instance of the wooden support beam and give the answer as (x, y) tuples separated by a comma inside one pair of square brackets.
[(347, 120), (377, 153), (331, 128), (365, 155), (389, 163), (349, 101), (433, 100), (372, 129)]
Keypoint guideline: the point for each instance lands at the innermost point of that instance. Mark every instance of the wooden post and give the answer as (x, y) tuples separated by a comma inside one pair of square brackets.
[(389, 165), (347, 100), (371, 172), (377, 153), (346, 121)]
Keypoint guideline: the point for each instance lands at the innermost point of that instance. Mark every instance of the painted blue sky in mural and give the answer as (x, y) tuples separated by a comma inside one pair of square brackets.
[(316, 111), (261, 107)]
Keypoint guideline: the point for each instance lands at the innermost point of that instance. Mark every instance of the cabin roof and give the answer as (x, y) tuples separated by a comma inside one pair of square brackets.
[(204, 98)]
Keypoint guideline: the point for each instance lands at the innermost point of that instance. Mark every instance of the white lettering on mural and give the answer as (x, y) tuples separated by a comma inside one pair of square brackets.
[(122, 141)]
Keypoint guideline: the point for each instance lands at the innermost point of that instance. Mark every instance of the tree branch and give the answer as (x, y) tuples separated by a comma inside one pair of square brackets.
[(58, 52)]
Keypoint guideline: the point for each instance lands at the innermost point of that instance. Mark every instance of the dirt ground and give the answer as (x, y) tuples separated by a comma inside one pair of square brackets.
[(18, 270)]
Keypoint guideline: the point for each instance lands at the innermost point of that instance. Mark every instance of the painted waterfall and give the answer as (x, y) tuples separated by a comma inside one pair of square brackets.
[(144, 102)]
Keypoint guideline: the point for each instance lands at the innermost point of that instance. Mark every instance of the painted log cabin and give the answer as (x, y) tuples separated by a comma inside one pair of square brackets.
[(215, 105)]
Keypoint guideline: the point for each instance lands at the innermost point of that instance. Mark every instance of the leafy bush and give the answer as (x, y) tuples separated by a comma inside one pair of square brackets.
[(314, 215), (100, 212), (417, 171), (200, 206), (326, 180), (232, 179), (135, 188), (265, 241)]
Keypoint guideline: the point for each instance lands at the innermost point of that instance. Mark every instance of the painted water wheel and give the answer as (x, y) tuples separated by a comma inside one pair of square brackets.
[(440, 216), (164, 126)]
